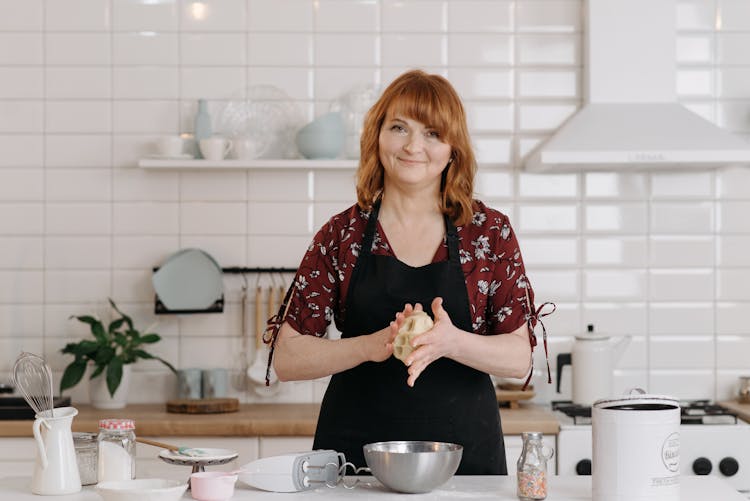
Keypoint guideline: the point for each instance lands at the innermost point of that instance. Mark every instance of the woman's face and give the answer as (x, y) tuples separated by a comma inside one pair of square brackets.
[(411, 152)]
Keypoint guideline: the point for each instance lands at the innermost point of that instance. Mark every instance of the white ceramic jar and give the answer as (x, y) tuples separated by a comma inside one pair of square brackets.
[(636, 446)]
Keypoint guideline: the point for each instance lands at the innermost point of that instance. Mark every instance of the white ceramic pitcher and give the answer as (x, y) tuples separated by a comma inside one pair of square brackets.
[(56, 470), (593, 359)]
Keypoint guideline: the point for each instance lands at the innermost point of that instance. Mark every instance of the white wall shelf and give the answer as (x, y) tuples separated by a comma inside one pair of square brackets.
[(294, 164)]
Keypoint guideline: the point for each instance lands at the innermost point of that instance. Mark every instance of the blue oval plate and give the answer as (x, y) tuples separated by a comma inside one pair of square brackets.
[(189, 279)]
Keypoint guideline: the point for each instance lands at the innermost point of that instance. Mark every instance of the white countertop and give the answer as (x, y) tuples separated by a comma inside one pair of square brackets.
[(462, 487)]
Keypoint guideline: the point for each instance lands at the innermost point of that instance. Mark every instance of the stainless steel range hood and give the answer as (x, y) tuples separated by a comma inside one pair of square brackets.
[(631, 118)]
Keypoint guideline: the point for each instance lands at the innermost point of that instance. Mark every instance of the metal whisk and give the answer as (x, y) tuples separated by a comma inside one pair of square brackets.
[(33, 377)]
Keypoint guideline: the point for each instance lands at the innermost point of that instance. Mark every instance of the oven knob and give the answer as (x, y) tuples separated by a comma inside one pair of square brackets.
[(702, 466), (583, 467), (728, 466)]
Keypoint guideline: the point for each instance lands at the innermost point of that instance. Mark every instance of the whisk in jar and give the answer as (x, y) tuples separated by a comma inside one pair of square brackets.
[(33, 377)]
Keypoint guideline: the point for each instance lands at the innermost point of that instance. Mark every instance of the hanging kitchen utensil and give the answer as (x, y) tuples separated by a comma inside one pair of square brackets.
[(33, 377), (240, 377), (189, 281), (257, 371)]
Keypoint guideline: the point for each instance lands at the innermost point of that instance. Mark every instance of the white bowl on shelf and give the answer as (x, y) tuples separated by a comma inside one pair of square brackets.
[(142, 489)]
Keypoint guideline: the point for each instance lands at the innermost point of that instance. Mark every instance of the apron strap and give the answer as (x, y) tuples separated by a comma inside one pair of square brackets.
[(364, 253), (451, 239), (372, 222)]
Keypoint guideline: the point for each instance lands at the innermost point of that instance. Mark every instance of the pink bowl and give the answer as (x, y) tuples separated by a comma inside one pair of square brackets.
[(212, 485)]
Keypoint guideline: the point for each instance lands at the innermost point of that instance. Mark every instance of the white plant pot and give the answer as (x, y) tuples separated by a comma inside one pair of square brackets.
[(99, 394)]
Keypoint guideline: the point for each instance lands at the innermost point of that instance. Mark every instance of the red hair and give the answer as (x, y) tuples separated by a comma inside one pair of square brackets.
[(432, 100)]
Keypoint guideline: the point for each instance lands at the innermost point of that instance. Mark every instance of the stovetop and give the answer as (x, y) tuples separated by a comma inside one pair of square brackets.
[(692, 412)]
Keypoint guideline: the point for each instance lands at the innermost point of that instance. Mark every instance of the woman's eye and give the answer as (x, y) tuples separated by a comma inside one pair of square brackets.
[(433, 134), (397, 128)]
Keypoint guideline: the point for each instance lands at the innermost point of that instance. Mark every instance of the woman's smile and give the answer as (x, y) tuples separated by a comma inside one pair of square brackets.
[(410, 161)]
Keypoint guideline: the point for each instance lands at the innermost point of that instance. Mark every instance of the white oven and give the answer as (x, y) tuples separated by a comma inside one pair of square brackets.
[(721, 448)]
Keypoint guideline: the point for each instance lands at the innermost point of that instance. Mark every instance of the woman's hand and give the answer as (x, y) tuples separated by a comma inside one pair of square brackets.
[(382, 345), (435, 343)]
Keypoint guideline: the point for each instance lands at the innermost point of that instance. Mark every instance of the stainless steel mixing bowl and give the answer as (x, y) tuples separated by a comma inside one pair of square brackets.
[(413, 466)]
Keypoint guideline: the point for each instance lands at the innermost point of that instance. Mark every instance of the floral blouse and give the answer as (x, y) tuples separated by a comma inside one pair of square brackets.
[(490, 258)]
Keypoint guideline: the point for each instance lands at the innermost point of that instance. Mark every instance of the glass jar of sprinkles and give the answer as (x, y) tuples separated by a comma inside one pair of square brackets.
[(532, 467)]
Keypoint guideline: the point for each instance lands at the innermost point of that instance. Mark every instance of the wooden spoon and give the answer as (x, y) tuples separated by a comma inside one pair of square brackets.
[(257, 371), (183, 451)]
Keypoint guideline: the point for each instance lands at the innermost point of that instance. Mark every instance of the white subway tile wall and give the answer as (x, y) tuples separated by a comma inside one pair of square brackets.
[(87, 85)]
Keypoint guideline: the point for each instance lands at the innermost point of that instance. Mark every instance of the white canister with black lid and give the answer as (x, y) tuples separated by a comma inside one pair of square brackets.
[(636, 446)]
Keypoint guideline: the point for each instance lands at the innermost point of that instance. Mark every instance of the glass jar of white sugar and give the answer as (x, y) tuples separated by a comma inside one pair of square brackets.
[(87, 449), (116, 449)]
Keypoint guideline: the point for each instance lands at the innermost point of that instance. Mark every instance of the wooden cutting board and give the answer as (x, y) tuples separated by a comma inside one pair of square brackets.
[(512, 396), (741, 409), (203, 405)]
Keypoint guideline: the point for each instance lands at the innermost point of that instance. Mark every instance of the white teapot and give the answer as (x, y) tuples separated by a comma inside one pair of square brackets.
[(592, 359), (56, 470)]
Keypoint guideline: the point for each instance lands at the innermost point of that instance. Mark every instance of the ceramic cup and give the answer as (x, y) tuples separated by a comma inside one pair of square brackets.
[(246, 148), (189, 383), (215, 383), (215, 148), (212, 485), (169, 146)]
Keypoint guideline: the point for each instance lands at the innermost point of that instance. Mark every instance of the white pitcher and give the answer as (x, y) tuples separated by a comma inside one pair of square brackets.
[(593, 359), (56, 470)]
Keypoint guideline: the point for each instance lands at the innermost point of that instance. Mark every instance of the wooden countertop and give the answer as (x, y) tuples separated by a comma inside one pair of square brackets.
[(529, 417), (742, 410), (253, 420)]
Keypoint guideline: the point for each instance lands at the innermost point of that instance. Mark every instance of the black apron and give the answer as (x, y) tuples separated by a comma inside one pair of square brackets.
[(450, 402)]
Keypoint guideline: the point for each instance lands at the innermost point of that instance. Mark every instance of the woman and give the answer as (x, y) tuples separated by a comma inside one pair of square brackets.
[(415, 239)]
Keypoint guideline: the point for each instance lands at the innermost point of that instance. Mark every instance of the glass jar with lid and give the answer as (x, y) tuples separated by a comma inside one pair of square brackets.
[(532, 467), (87, 452), (116, 449)]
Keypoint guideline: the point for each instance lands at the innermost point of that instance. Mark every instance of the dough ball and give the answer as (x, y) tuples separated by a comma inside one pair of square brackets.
[(415, 324)]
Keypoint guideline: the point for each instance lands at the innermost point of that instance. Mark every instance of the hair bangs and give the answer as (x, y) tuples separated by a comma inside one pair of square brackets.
[(422, 102)]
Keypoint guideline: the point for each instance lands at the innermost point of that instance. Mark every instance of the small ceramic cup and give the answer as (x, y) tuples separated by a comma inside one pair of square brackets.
[(246, 148), (215, 383), (212, 485), (169, 146), (215, 148), (189, 383)]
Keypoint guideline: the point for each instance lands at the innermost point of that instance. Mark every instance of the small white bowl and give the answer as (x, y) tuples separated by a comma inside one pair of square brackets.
[(142, 489)]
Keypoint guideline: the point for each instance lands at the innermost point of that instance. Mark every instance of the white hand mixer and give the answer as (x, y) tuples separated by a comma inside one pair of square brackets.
[(298, 471)]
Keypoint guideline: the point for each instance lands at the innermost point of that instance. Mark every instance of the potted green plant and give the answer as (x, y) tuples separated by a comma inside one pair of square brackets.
[(110, 353)]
